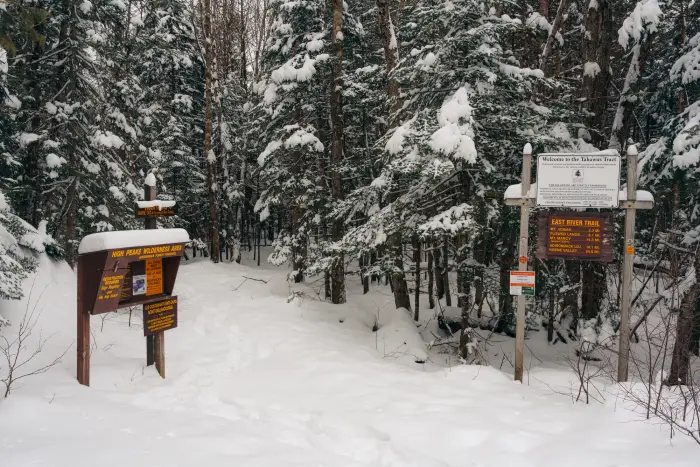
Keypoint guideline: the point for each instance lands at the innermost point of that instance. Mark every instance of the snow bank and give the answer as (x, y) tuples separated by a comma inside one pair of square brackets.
[(257, 382), (399, 338), (131, 238)]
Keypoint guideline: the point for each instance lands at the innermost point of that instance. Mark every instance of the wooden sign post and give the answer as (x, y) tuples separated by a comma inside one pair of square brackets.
[(149, 194), (522, 265), (627, 265), (127, 268), (579, 181), (150, 209)]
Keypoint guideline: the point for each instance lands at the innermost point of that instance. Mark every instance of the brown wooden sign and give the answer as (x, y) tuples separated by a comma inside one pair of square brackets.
[(155, 211), (159, 316), (585, 236), (129, 276)]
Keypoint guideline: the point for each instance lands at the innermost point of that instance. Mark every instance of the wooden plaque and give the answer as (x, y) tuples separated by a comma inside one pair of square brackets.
[(583, 236), (160, 316)]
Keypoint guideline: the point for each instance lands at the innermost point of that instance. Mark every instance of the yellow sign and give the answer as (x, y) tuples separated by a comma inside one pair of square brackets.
[(154, 276)]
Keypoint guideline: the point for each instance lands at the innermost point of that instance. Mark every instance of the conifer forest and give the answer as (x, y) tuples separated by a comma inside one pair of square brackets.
[(363, 148)]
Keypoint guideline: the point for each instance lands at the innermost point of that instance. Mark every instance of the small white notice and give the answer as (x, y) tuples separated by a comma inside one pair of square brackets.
[(579, 180), (138, 285), (522, 283)]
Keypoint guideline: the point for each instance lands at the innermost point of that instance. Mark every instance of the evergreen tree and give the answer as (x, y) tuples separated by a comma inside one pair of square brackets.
[(295, 159)]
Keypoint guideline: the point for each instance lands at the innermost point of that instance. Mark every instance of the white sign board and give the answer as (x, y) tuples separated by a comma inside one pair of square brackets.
[(522, 283), (578, 181)]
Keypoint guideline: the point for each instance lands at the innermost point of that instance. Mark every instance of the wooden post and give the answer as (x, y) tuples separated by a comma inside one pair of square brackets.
[(627, 265), (522, 265), (83, 343), (149, 194), (155, 344), (159, 352)]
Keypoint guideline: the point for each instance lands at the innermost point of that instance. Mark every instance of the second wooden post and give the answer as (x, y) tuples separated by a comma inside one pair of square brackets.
[(155, 344)]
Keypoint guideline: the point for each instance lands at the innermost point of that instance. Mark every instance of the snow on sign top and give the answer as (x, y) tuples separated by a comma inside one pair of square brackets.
[(131, 238), (160, 204), (579, 180)]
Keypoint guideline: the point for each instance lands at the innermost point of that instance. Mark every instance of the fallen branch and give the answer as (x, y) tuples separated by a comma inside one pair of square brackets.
[(647, 312), (246, 279)]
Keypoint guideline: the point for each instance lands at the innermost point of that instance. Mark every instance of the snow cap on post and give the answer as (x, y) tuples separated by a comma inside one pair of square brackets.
[(150, 179), (527, 149), (632, 150)]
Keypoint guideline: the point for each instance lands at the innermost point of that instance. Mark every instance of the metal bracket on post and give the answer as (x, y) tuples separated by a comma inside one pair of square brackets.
[(522, 265)]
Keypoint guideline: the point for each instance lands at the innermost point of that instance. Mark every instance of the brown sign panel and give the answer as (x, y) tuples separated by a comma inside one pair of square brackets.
[(159, 316), (585, 236), (155, 211), (131, 276)]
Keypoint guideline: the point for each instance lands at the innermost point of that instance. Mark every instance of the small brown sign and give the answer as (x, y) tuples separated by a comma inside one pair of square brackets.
[(155, 211), (585, 236), (160, 316)]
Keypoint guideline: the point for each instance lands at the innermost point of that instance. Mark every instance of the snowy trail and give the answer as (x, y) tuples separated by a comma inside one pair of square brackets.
[(255, 381)]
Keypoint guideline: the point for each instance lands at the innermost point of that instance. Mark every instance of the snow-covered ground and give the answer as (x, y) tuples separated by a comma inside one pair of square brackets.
[(255, 380)]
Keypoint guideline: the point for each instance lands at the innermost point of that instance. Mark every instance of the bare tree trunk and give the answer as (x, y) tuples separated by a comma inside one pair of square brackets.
[(628, 97), (597, 41), (558, 21), (298, 250), (446, 271), (337, 146), (431, 275), (417, 261), (209, 67), (439, 275), (71, 220), (680, 364), (544, 8), (391, 58)]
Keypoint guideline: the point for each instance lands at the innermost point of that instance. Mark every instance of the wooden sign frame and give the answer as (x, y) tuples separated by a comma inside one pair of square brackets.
[(101, 279)]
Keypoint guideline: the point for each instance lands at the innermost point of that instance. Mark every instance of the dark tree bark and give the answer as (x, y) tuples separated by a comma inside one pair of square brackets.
[(446, 271), (680, 363), (597, 44), (298, 250), (416, 261), (337, 145), (210, 157), (391, 58), (431, 276), (556, 25), (439, 275)]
